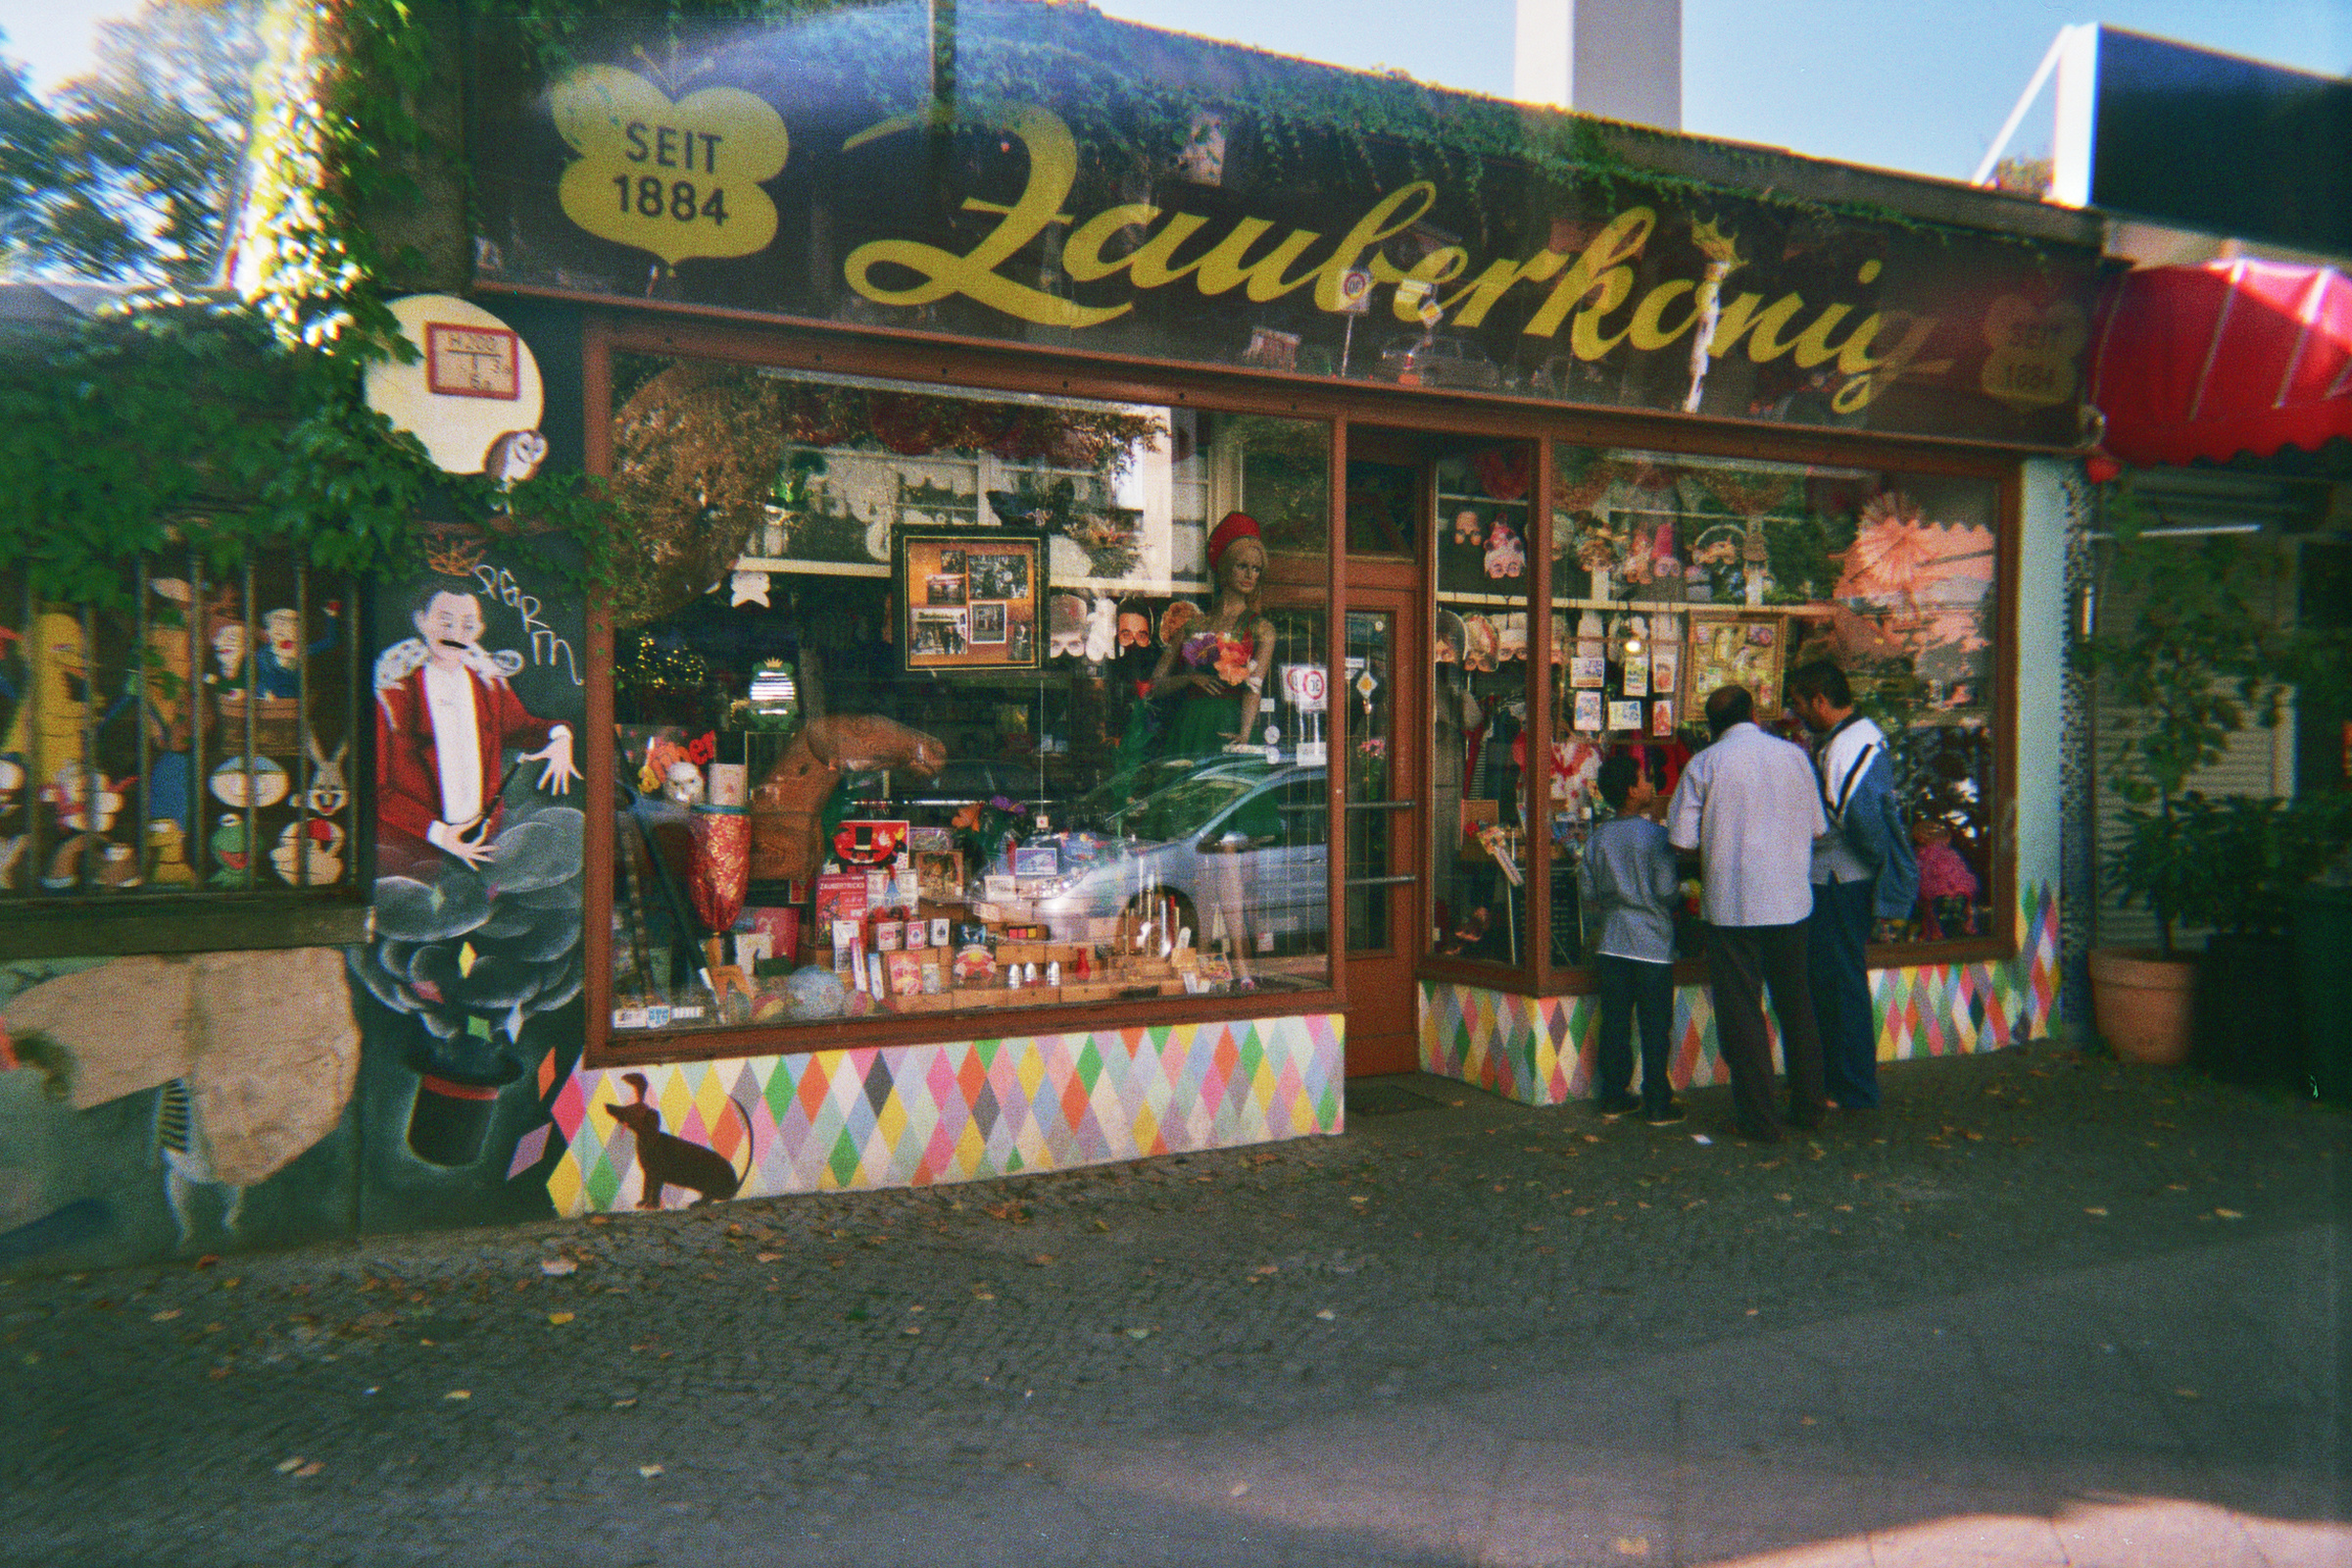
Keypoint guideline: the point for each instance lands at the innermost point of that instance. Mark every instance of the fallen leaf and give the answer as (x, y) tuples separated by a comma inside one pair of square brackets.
[(559, 1319), (1533, 1230), (1843, 1208), (1591, 1138), (208, 1260), (1267, 1268), (2186, 1394), (1782, 1198), (648, 1471), (2100, 1212), (164, 1316), (984, 1295), (1327, 1316), (231, 1283), (552, 1266), (1139, 1334), (623, 1404), (1577, 1213), (1043, 1260), (1103, 1225), (768, 1258), (1754, 1310), (2228, 1214), (310, 1469), (911, 1328), (286, 1467), (1236, 1489), (1632, 1546), (459, 1393)]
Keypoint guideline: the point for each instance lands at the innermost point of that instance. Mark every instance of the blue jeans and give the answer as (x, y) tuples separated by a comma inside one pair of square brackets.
[(1629, 986), (1836, 937)]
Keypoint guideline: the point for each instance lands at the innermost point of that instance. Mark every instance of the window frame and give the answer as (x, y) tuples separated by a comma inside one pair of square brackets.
[(203, 918), (956, 367)]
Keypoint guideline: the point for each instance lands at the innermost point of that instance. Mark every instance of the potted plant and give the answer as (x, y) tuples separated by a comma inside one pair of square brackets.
[(2202, 657)]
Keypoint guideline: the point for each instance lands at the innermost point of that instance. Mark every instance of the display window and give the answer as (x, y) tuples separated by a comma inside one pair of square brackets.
[(1001, 702), (1481, 521), (1676, 573)]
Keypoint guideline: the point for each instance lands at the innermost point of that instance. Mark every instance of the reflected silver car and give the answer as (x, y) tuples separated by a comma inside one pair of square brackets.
[(1230, 833)]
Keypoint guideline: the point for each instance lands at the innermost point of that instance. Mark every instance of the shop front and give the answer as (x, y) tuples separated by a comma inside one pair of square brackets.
[(1130, 579), (1181, 561)]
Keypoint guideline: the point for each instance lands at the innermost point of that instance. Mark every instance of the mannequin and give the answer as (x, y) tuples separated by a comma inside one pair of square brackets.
[(1224, 655)]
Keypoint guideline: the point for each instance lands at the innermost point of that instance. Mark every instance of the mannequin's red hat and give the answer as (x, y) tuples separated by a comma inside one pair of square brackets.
[(1236, 525)]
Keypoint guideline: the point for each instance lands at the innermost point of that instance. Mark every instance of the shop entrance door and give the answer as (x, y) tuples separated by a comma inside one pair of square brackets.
[(1381, 839)]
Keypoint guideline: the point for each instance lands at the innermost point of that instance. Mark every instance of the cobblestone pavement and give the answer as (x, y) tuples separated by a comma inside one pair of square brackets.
[(2041, 1309)]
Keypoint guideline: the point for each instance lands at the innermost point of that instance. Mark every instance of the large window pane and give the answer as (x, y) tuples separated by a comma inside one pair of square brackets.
[(989, 710), (1676, 573), (1479, 528)]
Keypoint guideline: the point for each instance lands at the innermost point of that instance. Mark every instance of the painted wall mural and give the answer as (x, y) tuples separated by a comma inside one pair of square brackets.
[(153, 1106), (1540, 1050), (665, 1137), (470, 996)]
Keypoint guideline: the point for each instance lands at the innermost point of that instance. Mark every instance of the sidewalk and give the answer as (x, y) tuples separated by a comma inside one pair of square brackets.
[(2038, 1310)]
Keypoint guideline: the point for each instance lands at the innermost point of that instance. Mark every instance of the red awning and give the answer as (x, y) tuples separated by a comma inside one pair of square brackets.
[(2231, 357)]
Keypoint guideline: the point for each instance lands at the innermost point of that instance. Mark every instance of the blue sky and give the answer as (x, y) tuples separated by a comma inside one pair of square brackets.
[(1912, 84)]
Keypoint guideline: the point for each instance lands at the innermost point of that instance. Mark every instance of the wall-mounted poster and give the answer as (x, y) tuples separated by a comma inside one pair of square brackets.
[(1736, 651), (1665, 670), (1626, 715), (972, 596), (1588, 712)]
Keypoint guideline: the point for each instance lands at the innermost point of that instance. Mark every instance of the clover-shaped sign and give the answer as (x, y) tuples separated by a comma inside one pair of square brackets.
[(2031, 364), (677, 179)]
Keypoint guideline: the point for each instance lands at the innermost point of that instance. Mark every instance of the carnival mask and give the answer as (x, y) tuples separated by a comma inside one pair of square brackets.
[(1135, 629), (1481, 643), (1067, 626)]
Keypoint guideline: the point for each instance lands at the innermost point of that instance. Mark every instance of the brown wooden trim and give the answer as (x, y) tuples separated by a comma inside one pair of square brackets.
[(720, 332), (1335, 716), (595, 402), (2008, 554), (1579, 981), (199, 925), (1538, 730), (638, 1046)]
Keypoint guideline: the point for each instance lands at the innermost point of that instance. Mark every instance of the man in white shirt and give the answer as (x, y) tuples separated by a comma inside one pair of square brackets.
[(1750, 806)]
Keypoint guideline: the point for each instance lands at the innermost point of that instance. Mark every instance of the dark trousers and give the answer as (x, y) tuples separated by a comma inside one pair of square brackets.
[(1742, 961), (1837, 937), (1631, 986)]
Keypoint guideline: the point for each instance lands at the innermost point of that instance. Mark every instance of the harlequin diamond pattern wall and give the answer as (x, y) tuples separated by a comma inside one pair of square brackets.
[(1539, 1049), (907, 1115)]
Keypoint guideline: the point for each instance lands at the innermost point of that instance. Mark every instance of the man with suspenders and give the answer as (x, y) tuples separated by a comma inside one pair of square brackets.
[(1862, 868)]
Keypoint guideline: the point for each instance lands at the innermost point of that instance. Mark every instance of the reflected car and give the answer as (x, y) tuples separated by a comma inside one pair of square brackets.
[(1443, 359), (1228, 827)]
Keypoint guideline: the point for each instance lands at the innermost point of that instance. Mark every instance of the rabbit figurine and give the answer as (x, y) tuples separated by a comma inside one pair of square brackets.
[(328, 789)]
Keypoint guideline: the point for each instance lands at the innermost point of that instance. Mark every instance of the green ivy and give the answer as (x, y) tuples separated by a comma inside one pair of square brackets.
[(234, 426)]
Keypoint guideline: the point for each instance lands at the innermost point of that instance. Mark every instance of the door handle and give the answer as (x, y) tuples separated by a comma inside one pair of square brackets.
[(1381, 806), (1381, 881)]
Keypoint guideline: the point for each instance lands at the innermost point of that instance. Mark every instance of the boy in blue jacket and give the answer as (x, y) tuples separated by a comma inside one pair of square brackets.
[(1629, 886)]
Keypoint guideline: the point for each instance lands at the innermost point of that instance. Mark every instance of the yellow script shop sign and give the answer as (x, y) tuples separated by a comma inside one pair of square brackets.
[(693, 189)]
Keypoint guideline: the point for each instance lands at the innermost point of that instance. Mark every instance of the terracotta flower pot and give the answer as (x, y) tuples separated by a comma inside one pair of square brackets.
[(2143, 1004)]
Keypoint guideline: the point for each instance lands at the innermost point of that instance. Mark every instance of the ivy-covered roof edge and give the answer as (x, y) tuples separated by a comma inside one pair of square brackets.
[(1011, 47)]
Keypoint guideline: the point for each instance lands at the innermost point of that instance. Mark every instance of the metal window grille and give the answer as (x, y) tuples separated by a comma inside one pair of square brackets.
[(200, 743)]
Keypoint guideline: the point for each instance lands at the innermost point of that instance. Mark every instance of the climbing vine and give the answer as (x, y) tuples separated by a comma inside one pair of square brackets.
[(237, 424)]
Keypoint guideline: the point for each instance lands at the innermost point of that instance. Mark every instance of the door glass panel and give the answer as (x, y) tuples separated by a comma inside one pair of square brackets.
[(1373, 810), (1478, 703)]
